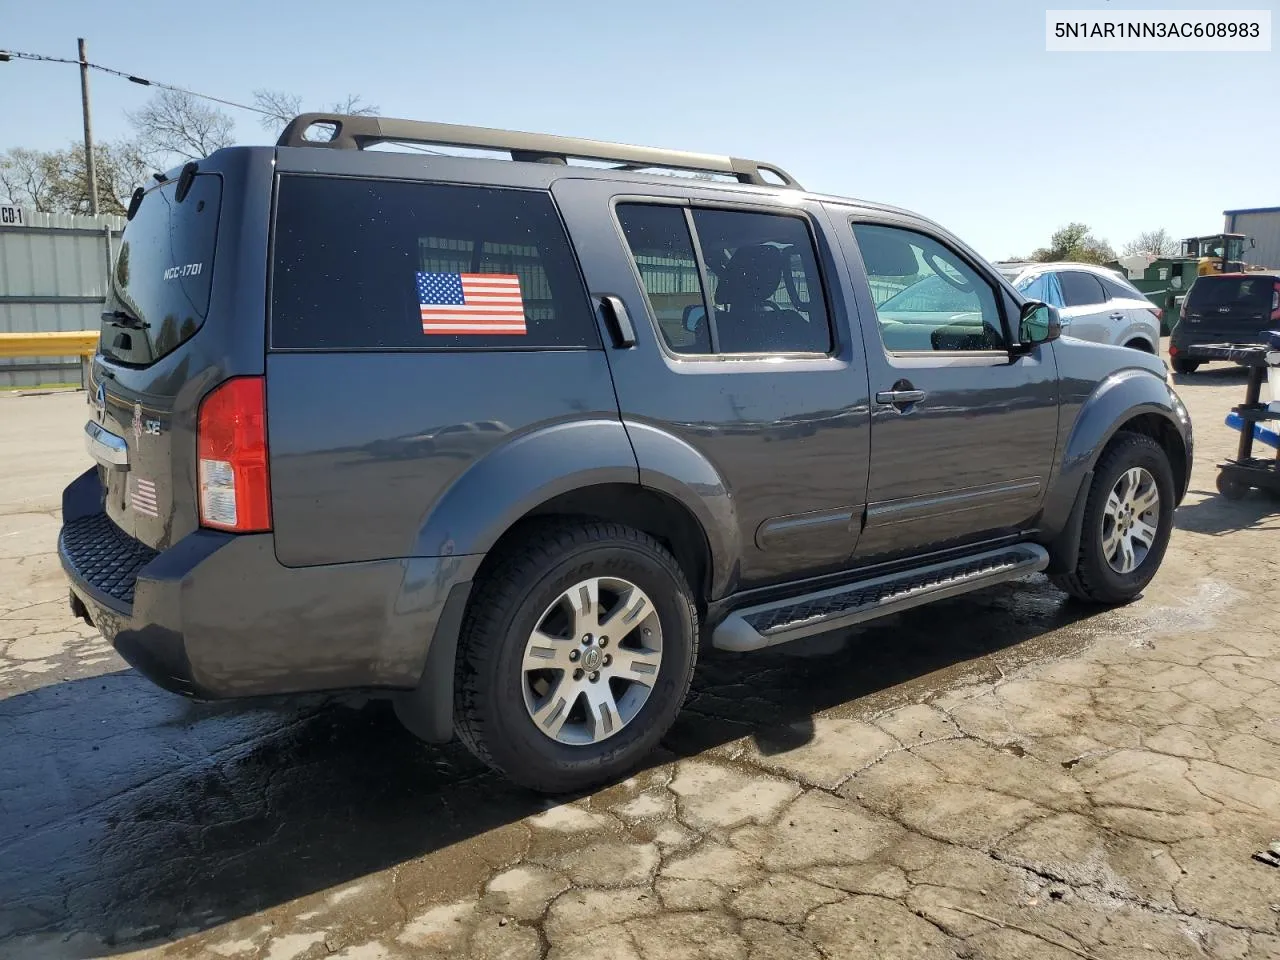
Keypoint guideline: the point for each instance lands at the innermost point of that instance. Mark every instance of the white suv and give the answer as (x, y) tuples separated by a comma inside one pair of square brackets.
[(1095, 303)]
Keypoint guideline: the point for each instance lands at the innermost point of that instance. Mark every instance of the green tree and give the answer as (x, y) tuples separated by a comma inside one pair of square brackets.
[(1075, 242)]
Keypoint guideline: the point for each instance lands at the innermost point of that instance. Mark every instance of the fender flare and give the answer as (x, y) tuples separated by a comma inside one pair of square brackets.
[(495, 493), (674, 467), (488, 498), (1116, 400)]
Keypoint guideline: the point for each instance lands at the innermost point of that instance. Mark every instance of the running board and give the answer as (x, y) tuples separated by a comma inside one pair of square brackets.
[(768, 624)]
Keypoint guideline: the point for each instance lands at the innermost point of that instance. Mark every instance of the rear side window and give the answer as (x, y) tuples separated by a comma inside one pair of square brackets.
[(762, 288), (1118, 289), (370, 264), (163, 274), (1080, 289)]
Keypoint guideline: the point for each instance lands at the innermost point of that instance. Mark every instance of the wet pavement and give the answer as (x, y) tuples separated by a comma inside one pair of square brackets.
[(999, 775)]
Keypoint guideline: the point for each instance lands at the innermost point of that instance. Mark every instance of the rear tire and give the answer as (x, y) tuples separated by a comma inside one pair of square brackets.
[(557, 729), (1117, 557), (1185, 366), (1139, 345)]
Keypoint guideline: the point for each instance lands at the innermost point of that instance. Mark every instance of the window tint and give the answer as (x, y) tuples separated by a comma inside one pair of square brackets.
[(926, 296), (663, 253), (1240, 293), (763, 284), (394, 265), (163, 274), (1119, 289), (1080, 289)]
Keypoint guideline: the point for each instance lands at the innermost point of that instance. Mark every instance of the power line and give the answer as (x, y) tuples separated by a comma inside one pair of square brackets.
[(18, 55)]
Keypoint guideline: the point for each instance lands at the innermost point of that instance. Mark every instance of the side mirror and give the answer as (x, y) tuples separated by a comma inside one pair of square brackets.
[(694, 315), (1038, 323)]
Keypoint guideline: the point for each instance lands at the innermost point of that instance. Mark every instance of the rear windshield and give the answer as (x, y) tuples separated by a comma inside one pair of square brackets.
[(163, 273), (1242, 293)]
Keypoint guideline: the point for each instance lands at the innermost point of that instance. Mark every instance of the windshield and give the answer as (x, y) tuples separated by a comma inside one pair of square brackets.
[(931, 295), (163, 274)]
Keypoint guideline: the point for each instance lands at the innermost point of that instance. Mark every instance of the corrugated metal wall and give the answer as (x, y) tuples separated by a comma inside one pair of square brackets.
[(53, 276), (1264, 227)]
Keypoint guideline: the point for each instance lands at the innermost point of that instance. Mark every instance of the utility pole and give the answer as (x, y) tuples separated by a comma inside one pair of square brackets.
[(90, 168)]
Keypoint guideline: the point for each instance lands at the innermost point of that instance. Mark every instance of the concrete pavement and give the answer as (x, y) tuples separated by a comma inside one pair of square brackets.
[(1000, 775)]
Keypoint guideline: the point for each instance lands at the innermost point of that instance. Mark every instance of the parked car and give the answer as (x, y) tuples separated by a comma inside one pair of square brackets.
[(1095, 303), (1225, 308), (725, 408)]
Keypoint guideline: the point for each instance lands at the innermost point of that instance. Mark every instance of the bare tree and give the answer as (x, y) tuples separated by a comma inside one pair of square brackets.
[(1157, 243), (177, 125), (279, 108), (27, 178), (55, 181)]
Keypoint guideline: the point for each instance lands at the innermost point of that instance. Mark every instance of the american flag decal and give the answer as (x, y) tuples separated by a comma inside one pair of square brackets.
[(143, 498), (471, 303)]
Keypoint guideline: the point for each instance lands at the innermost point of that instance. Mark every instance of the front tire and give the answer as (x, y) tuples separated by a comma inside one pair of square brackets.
[(575, 656), (1128, 518)]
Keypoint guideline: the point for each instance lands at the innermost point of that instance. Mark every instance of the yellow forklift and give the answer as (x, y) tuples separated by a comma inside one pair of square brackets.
[(1217, 252)]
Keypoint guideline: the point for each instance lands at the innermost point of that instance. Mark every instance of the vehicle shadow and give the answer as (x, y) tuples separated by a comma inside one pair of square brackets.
[(131, 816), (1215, 515), (1214, 375)]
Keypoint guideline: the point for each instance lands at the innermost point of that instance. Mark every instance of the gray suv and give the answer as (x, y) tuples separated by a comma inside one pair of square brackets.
[(508, 439)]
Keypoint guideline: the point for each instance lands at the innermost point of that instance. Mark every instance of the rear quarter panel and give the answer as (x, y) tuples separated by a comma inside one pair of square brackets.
[(364, 446)]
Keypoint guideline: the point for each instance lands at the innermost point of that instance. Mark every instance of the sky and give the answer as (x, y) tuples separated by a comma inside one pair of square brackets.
[(953, 110)]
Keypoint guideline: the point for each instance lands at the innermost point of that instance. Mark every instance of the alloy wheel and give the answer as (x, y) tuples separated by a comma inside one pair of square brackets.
[(592, 660), (1130, 520)]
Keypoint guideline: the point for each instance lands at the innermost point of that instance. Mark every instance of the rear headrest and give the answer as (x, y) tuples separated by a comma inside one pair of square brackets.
[(887, 255), (751, 277)]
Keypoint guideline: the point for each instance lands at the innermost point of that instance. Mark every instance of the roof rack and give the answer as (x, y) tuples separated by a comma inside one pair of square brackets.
[(357, 133)]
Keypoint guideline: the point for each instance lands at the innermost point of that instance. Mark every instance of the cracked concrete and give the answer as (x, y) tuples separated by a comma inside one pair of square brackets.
[(1002, 776)]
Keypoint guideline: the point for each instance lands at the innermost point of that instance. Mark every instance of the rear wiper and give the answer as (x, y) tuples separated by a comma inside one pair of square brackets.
[(118, 318)]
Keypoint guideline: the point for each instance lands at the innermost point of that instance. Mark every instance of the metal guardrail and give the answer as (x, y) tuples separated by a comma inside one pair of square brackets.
[(63, 343)]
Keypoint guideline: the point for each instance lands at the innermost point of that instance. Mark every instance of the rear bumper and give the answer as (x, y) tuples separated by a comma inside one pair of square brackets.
[(216, 615), (1191, 334)]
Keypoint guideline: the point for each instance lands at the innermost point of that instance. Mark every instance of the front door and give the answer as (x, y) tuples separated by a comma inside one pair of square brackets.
[(743, 374), (963, 430)]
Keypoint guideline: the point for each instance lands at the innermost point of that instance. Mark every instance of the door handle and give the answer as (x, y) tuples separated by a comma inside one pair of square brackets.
[(624, 334), (900, 398)]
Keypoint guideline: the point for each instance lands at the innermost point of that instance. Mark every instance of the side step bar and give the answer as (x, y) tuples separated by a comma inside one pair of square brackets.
[(769, 624)]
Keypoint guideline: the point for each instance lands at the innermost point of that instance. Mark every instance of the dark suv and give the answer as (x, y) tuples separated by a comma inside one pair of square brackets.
[(1224, 308), (505, 438)]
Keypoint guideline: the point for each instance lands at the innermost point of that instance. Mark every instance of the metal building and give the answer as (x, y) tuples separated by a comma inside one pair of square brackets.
[(53, 276), (1263, 224)]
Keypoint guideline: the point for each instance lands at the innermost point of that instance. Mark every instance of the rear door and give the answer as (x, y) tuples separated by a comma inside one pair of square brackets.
[(1137, 313), (184, 312), (1086, 314), (743, 352), (1233, 307)]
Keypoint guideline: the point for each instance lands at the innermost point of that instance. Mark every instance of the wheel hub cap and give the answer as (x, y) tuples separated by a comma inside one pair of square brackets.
[(592, 660), (1130, 520)]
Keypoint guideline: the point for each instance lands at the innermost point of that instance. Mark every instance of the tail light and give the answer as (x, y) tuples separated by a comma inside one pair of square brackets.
[(231, 443), (1158, 312)]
